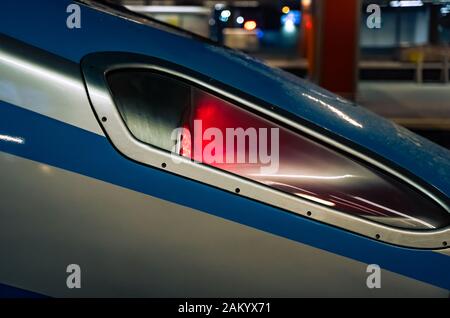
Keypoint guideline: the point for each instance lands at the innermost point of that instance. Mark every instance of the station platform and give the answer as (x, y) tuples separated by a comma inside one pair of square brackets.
[(415, 106)]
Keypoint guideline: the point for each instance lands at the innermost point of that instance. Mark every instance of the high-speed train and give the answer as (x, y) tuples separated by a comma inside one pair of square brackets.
[(151, 163)]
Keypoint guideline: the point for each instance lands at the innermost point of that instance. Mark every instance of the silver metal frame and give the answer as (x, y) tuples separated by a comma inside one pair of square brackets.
[(96, 66)]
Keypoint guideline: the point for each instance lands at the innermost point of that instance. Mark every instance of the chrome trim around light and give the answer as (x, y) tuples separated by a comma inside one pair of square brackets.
[(96, 66)]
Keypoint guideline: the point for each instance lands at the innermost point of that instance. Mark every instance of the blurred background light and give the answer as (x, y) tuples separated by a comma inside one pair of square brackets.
[(406, 3), (285, 9), (250, 25)]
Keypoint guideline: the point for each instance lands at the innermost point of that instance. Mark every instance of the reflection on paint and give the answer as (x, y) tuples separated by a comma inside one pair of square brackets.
[(39, 71), (45, 169), (338, 112), (17, 140)]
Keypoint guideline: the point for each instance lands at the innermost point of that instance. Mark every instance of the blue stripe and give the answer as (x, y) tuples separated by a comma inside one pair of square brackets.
[(61, 145)]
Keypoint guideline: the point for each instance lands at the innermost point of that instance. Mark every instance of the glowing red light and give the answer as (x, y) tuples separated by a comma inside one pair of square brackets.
[(205, 112), (308, 24)]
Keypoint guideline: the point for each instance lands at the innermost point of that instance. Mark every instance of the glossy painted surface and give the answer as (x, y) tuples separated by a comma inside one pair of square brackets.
[(103, 210), (413, 153), (44, 83), (145, 251), (78, 212)]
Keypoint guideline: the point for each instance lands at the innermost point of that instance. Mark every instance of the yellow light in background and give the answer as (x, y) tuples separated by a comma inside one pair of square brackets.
[(250, 25), (286, 9)]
